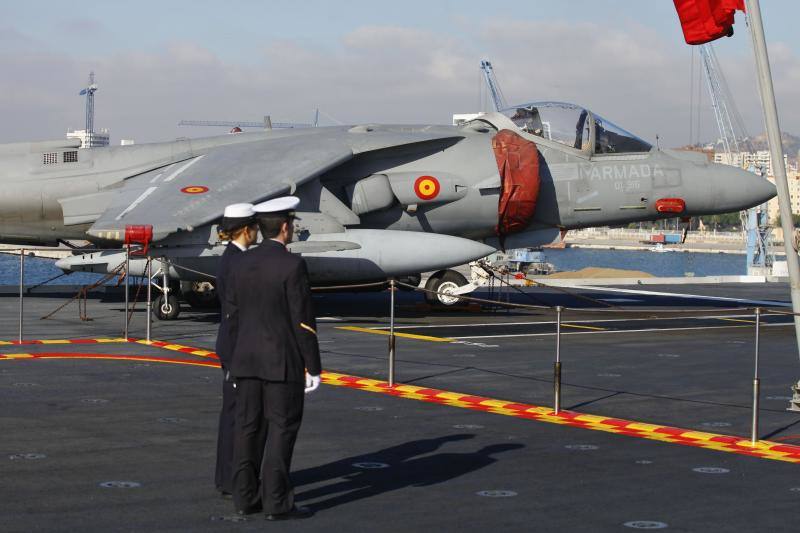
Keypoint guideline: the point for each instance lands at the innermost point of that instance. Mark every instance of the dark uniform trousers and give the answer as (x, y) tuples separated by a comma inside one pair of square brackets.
[(271, 309), (280, 406)]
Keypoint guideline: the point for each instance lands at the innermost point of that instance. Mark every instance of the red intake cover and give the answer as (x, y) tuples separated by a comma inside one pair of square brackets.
[(518, 163)]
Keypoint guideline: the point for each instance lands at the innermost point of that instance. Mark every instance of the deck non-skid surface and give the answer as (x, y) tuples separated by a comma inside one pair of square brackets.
[(373, 461)]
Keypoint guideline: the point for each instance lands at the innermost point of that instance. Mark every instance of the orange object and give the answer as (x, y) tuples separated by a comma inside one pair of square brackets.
[(670, 205), (139, 235), (703, 21), (518, 163)]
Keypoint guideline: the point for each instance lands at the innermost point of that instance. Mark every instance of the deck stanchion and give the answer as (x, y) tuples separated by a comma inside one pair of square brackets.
[(391, 332), (21, 288), (149, 295), (127, 277), (756, 381), (557, 365)]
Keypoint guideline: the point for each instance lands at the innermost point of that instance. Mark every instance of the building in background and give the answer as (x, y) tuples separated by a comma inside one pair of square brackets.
[(761, 159), (98, 138)]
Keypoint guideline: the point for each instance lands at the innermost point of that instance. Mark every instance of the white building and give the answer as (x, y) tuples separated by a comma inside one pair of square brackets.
[(761, 159), (463, 118), (793, 178), (98, 138)]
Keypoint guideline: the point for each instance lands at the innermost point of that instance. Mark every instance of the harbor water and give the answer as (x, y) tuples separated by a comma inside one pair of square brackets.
[(667, 264)]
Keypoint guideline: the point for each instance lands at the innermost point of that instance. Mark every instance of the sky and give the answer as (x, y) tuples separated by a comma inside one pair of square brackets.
[(157, 62)]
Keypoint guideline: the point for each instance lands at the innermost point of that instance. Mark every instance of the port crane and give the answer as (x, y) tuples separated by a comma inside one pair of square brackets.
[(732, 134)]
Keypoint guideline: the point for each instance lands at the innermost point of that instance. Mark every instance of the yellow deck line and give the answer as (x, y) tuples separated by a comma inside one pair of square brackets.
[(396, 334), (738, 320), (583, 327)]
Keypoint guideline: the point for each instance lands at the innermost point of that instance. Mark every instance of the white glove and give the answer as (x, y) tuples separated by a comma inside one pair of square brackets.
[(312, 382)]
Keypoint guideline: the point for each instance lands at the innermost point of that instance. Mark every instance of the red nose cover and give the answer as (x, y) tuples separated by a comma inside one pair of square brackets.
[(518, 163)]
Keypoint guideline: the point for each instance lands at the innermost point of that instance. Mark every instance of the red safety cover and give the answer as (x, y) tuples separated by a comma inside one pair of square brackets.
[(518, 163), (706, 20)]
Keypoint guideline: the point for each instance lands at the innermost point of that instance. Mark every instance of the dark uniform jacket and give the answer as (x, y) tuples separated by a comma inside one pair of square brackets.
[(226, 337), (269, 300)]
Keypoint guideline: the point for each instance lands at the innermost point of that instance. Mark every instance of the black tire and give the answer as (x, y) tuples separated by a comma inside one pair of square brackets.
[(167, 309), (197, 298), (444, 280)]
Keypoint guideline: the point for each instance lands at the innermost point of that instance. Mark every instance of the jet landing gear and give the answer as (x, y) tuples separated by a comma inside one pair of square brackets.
[(444, 281), (200, 294), (166, 305)]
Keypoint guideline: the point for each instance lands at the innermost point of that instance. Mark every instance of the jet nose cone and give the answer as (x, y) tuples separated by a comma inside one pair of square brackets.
[(736, 189)]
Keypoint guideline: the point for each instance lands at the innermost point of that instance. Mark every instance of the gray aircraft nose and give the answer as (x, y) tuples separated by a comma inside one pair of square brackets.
[(733, 189)]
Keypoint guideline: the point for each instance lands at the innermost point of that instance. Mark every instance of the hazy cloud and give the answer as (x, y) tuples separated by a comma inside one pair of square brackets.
[(376, 74)]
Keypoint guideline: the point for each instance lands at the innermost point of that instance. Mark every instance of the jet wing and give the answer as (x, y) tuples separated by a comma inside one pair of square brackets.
[(195, 191)]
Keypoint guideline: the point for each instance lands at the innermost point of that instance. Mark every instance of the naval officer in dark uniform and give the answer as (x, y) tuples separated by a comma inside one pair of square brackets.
[(239, 228), (277, 361)]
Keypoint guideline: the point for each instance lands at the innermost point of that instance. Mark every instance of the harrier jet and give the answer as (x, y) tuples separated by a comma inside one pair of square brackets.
[(377, 201)]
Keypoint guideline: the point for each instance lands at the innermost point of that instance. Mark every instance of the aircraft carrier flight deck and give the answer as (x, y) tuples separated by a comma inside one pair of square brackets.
[(654, 431)]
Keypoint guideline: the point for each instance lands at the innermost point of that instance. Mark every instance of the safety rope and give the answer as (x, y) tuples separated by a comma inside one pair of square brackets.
[(82, 295), (29, 289)]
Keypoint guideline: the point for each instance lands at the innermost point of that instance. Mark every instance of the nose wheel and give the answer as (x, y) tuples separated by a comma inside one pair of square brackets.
[(166, 307)]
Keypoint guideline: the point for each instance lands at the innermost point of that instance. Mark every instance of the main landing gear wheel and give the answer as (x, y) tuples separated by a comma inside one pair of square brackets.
[(167, 308), (444, 281)]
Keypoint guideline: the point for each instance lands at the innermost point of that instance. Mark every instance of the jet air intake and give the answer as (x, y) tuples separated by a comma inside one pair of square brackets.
[(518, 164), (409, 189)]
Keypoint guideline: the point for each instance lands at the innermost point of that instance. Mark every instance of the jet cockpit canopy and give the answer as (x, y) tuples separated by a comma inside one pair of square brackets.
[(576, 127)]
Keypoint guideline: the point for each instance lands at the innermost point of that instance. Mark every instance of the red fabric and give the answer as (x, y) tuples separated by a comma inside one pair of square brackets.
[(518, 163), (706, 20)]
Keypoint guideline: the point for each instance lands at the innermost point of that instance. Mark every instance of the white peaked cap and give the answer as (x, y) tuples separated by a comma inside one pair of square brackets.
[(239, 211), (277, 205)]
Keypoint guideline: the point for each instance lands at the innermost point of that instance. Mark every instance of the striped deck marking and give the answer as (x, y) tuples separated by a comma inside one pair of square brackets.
[(119, 340), (109, 356), (191, 350), (724, 443), (396, 334), (177, 348), (101, 340), (686, 437)]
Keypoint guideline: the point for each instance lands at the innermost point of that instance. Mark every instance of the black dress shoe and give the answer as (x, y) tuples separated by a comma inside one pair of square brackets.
[(295, 513), (225, 495), (250, 510)]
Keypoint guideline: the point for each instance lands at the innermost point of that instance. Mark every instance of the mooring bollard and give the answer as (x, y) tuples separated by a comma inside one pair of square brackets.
[(127, 277), (21, 288), (391, 332), (149, 295), (756, 381), (557, 365)]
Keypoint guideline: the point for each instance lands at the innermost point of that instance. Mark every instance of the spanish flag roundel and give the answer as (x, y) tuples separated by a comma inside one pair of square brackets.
[(194, 189), (427, 187)]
